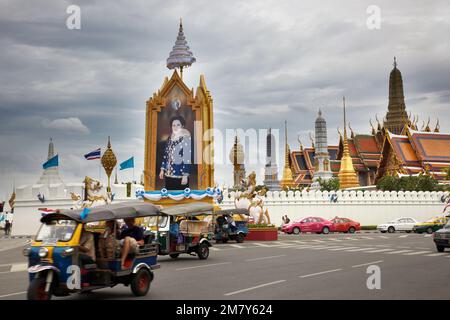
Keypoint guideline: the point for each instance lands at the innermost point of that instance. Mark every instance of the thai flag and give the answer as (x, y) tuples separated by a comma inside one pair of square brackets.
[(45, 211), (93, 155)]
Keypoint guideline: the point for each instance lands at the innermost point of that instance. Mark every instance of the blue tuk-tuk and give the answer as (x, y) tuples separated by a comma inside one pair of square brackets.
[(55, 264), (231, 224)]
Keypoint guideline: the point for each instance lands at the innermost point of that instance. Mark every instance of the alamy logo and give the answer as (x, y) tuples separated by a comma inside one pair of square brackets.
[(73, 281), (73, 21), (373, 22), (374, 280)]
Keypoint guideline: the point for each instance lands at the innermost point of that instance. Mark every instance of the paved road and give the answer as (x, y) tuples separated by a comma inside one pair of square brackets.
[(330, 266)]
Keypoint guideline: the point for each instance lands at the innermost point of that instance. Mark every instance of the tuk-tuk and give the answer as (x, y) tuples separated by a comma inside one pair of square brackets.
[(55, 262), (183, 229), (230, 224)]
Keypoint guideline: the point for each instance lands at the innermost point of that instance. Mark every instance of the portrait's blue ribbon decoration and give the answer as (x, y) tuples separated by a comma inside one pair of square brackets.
[(178, 195), (52, 162)]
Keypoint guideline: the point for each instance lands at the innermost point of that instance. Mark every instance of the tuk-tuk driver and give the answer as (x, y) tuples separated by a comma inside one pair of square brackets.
[(130, 239)]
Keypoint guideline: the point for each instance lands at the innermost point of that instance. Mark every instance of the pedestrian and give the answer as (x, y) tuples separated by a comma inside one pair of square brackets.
[(7, 224), (286, 219)]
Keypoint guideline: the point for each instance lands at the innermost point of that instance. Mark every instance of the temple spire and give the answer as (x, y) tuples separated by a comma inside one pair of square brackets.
[(180, 56), (396, 117), (347, 174), (51, 150)]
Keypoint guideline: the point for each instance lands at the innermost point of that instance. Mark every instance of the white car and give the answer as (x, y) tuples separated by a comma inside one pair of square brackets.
[(399, 224)]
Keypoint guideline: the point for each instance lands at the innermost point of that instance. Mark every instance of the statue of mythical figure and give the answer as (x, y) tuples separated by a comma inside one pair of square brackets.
[(253, 201), (92, 189)]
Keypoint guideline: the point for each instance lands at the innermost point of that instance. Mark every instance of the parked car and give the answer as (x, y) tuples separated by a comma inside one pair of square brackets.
[(431, 225), (441, 237), (399, 224), (345, 225), (309, 224)]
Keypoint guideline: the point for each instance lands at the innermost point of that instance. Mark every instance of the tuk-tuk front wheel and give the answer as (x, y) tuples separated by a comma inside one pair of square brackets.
[(174, 255), (36, 290), (140, 282), (240, 238), (203, 251)]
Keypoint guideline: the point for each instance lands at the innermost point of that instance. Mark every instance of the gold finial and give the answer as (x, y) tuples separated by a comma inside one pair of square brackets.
[(287, 179), (109, 161), (436, 129), (371, 125), (427, 128), (352, 134), (311, 138), (300, 142)]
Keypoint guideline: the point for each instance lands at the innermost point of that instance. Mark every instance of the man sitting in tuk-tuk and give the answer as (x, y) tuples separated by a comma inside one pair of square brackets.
[(130, 240), (87, 247)]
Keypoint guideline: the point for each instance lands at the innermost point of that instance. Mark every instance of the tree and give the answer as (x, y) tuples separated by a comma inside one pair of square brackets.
[(328, 185), (409, 183)]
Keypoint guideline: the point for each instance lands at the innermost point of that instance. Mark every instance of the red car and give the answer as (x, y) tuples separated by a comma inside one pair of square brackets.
[(309, 224), (345, 225)]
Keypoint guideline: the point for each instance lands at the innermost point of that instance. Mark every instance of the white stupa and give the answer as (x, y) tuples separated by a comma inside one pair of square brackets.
[(50, 175)]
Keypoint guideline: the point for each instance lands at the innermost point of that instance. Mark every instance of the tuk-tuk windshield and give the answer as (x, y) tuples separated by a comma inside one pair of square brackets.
[(56, 230), (160, 220)]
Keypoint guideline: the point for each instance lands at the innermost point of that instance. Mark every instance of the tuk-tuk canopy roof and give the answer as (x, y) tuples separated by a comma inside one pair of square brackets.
[(232, 211), (123, 210), (189, 209)]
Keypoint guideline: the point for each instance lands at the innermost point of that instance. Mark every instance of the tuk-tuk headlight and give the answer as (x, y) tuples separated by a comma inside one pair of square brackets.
[(163, 234), (43, 252), (26, 251), (67, 252)]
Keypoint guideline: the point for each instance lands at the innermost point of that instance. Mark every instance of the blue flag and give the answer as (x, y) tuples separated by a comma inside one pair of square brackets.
[(84, 213), (52, 162), (127, 164)]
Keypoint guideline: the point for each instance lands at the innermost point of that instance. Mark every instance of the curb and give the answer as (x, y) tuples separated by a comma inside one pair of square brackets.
[(15, 237)]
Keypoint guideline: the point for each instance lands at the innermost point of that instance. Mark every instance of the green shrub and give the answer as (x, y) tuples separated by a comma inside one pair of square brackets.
[(368, 227), (260, 225)]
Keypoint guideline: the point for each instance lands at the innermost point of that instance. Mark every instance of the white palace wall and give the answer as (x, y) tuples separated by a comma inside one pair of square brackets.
[(367, 207)]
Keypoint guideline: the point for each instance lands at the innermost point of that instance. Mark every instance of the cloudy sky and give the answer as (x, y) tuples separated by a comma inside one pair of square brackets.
[(264, 62)]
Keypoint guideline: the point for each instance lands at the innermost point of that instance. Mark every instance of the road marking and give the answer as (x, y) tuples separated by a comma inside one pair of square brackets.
[(262, 244), (319, 247), (263, 258), (370, 238), (318, 241), (214, 249), (237, 246), (302, 247), (380, 250), (203, 266), (319, 273), (16, 267), (367, 264), (12, 294), (416, 253), (360, 249), (405, 236), (253, 288), (399, 251), (298, 241), (437, 254), (342, 248), (383, 237), (427, 236)]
